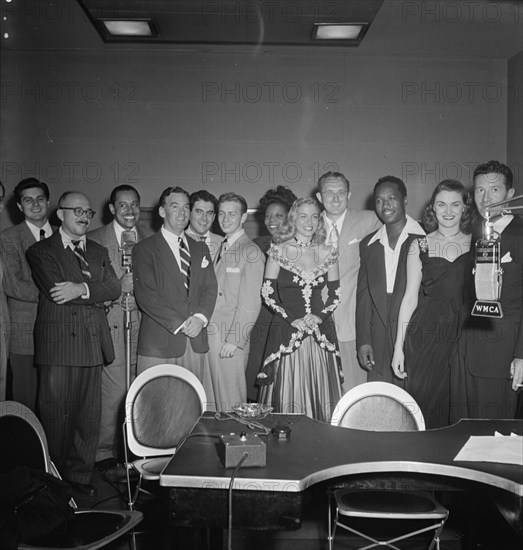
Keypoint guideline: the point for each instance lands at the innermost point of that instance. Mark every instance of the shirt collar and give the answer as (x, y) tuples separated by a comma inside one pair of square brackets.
[(68, 242), (411, 227), (196, 236), (36, 230), (172, 238), (339, 222), (502, 222), (234, 237)]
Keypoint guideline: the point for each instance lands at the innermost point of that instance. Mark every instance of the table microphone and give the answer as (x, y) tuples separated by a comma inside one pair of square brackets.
[(127, 243)]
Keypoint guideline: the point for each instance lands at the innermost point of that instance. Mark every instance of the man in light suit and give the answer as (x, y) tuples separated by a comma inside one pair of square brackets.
[(32, 199), (382, 279), (345, 229), (175, 288), (491, 349), (124, 204), (203, 211), (72, 338), (239, 268)]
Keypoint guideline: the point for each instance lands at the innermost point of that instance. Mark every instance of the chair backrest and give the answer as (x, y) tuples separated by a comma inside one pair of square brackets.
[(378, 406), (22, 439), (163, 405)]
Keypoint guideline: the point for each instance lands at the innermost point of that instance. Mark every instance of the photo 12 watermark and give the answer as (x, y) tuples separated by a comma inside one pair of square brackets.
[(437, 11)]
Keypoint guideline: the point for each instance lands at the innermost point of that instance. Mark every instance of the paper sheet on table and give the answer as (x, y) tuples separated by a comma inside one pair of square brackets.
[(490, 448)]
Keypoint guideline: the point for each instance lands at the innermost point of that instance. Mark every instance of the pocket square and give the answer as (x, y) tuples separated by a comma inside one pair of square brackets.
[(205, 262), (354, 241), (506, 258), (232, 270)]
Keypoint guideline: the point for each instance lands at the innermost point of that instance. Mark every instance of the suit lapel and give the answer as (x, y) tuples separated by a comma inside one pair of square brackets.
[(167, 259), (377, 278)]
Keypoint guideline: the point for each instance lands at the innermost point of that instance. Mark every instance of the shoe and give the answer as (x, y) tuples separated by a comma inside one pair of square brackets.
[(83, 489), (106, 464), (118, 474)]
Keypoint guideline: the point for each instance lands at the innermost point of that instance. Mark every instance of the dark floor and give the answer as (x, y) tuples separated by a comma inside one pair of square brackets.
[(474, 524)]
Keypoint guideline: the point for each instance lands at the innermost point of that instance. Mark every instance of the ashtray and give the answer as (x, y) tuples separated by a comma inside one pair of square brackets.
[(252, 411)]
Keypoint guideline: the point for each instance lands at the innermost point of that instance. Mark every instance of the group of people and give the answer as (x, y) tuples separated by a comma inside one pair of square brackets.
[(331, 297)]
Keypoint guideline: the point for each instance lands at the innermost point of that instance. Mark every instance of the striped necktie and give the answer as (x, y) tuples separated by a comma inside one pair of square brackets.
[(42, 234), (80, 254), (185, 262), (221, 252)]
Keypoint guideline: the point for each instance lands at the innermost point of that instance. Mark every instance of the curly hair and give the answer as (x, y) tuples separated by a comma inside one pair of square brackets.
[(495, 167), (287, 230), (430, 223), (281, 195)]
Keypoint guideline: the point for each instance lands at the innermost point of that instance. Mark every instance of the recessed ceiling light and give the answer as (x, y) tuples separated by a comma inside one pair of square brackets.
[(339, 31), (129, 27)]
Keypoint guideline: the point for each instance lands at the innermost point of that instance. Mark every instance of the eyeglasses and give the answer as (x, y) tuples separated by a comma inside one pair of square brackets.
[(79, 211)]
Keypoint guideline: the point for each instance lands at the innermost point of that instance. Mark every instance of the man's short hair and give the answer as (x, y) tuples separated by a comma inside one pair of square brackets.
[(396, 181), (337, 175), (204, 196), (169, 191), (495, 167), (233, 197), (29, 183), (122, 189)]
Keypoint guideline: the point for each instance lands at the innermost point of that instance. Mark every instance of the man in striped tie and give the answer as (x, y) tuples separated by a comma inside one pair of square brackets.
[(175, 287), (72, 338)]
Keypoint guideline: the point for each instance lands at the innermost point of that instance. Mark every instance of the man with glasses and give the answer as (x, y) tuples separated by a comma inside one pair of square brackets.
[(345, 229), (32, 199), (72, 338)]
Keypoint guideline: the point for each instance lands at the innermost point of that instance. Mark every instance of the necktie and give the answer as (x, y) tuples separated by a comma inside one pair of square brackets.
[(185, 262), (80, 254), (335, 235), (42, 234), (221, 252)]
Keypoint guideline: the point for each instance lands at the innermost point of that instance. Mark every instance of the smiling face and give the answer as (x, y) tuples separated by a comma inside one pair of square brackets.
[(448, 207), (34, 205), (334, 196), (201, 217), (275, 215), (307, 221), (175, 212), (74, 226), (489, 189), (230, 217), (126, 209), (390, 204)]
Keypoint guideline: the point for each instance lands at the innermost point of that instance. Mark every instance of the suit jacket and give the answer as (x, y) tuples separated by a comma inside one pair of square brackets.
[(76, 333), (376, 320), (106, 236), (239, 274), (20, 289), (491, 343), (357, 225), (163, 299)]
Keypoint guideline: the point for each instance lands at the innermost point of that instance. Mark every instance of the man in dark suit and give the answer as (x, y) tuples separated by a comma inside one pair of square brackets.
[(491, 349), (382, 279), (175, 288), (72, 337), (124, 204), (32, 199)]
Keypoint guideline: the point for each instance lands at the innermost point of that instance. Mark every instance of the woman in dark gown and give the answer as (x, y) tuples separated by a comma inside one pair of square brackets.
[(275, 205), (431, 313), (301, 371)]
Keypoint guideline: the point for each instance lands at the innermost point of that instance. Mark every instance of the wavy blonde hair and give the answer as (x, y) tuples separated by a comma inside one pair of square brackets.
[(287, 229)]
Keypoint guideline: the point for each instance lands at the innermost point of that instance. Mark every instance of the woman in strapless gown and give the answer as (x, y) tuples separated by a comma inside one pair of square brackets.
[(432, 310), (301, 371)]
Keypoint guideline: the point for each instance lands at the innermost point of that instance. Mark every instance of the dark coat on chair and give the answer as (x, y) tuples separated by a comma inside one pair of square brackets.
[(161, 295)]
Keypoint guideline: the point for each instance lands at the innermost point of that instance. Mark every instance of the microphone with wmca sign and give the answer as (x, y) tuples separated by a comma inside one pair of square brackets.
[(126, 246), (488, 273)]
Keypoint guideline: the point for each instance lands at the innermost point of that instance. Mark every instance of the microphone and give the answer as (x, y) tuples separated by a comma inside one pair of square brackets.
[(126, 246), (488, 273)]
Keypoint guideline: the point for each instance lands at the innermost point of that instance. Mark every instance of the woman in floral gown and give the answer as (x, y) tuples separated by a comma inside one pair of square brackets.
[(301, 371), (432, 310)]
